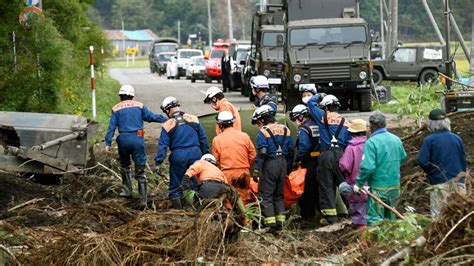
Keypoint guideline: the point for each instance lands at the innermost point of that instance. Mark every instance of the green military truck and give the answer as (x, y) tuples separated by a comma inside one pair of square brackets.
[(328, 44), (415, 63), (266, 49)]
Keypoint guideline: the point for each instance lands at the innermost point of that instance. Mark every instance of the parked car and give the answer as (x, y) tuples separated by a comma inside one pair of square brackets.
[(196, 69), (238, 64), (213, 62), (172, 68), (415, 63), (183, 56), (162, 61)]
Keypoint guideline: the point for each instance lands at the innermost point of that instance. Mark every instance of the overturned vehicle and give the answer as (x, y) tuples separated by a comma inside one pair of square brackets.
[(44, 143)]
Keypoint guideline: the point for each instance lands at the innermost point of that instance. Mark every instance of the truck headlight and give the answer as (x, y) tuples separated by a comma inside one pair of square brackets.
[(297, 78), (266, 72), (363, 75)]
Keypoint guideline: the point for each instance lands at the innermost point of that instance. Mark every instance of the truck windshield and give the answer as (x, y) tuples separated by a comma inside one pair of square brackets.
[(321, 36), (269, 39), (241, 56), (217, 54), (165, 57), (189, 54), (165, 47)]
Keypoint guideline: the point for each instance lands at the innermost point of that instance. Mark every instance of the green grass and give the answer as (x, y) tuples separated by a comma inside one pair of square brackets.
[(122, 63)]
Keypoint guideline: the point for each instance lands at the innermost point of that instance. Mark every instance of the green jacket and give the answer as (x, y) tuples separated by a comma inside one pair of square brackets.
[(381, 160)]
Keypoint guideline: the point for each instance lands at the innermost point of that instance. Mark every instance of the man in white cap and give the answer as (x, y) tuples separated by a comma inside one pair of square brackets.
[(216, 99), (128, 116)]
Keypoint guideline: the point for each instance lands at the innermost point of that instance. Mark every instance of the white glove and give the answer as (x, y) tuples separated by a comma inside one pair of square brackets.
[(356, 189), (107, 148)]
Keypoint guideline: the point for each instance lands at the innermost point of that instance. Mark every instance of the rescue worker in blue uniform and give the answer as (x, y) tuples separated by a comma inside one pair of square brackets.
[(307, 91), (187, 141), (333, 140), (128, 117), (260, 86), (274, 151), (306, 155)]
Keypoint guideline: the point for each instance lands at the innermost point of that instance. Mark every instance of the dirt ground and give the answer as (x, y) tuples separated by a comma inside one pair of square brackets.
[(82, 221)]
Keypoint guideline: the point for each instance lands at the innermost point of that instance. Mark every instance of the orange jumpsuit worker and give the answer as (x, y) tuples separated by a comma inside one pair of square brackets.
[(211, 180), (235, 154), (215, 98)]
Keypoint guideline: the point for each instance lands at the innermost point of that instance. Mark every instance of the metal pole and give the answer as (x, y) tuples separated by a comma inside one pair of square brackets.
[(458, 34), (14, 51), (209, 23), (123, 37), (472, 53), (229, 19), (179, 32), (91, 57), (382, 30), (433, 22), (448, 46), (394, 24)]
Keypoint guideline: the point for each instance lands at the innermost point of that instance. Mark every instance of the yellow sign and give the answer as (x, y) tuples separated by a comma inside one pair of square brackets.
[(131, 51)]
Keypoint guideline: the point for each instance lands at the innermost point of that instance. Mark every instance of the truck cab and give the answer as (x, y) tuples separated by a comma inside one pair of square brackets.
[(415, 63), (328, 44), (162, 45)]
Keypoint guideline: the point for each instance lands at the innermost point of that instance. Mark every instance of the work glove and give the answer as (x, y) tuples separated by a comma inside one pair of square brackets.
[(255, 175), (358, 190), (186, 183), (157, 169), (108, 150)]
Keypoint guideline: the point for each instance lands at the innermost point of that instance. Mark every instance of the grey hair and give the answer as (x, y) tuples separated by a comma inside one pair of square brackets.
[(439, 125), (378, 119)]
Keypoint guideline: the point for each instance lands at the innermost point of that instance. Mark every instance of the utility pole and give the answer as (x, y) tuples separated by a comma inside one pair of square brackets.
[(209, 23), (123, 37), (448, 45), (179, 32), (229, 18), (394, 24), (382, 30), (472, 54)]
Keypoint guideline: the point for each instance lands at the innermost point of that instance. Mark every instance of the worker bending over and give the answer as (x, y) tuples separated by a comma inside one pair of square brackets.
[(186, 139), (235, 154)]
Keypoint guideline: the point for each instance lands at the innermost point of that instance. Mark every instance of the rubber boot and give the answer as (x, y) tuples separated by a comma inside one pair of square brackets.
[(142, 185), (176, 204), (126, 183)]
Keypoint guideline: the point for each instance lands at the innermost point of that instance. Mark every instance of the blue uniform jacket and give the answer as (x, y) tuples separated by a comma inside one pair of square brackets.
[(182, 135), (333, 120), (308, 140), (266, 99), (128, 116), (264, 140), (442, 157)]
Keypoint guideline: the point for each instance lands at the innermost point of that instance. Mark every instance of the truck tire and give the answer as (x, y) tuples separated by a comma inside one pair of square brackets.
[(193, 80), (208, 79), (365, 101), (429, 75), (377, 76)]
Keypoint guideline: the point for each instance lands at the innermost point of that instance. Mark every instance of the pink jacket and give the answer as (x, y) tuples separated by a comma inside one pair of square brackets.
[(349, 164)]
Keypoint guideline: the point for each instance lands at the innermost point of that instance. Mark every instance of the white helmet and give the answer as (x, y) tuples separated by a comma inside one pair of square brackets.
[(127, 90), (212, 92), (261, 112), (210, 158), (308, 88), (299, 110), (225, 117), (169, 102), (329, 100), (259, 83)]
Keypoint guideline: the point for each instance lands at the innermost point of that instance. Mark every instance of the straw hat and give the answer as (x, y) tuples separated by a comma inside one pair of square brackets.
[(358, 125)]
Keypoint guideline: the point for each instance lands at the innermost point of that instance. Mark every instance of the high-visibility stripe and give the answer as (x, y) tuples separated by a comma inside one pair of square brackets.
[(330, 212), (280, 218), (269, 220)]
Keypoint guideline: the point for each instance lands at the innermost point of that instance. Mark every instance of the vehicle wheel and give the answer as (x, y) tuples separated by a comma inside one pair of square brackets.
[(168, 77), (193, 80), (429, 76), (377, 76), (208, 79), (365, 101)]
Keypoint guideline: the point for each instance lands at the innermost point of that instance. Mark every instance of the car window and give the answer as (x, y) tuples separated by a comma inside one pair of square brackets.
[(189, 54), (216, 54), (164, 57), (270, 39), (241, 55), (432, 54), (405, 55)]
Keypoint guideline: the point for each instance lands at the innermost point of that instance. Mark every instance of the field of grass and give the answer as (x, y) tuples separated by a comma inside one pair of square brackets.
[(122, 63)]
